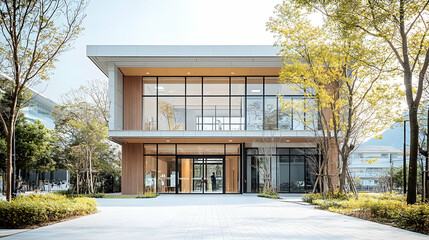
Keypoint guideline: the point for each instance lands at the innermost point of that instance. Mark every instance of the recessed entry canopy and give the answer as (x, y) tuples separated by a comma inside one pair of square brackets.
[(200, 71)]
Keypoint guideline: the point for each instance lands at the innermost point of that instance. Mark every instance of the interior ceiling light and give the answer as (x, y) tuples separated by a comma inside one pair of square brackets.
[(287, 140), (229, 140), (188, 73), (232, 73), (168, 140), (147, 72), (256, 90)]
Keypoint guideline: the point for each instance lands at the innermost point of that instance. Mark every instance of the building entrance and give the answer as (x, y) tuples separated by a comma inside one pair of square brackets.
[(200, 174)]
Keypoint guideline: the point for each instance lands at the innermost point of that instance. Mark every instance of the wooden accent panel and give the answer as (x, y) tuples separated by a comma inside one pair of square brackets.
[(132, 168), (232, 174), (186, 175), (132, 103)]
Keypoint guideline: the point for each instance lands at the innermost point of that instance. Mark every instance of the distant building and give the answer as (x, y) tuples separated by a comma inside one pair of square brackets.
[(369, 163), (40, 108)]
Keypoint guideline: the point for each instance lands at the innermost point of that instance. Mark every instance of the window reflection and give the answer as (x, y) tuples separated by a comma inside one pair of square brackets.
[(193, 85), (254, 86), (237, 113), (270, 115), (216, 86), (171, 113), (149, 86), (216, 113), (223, 103), (171, 86), (254, 113), (149, 113)]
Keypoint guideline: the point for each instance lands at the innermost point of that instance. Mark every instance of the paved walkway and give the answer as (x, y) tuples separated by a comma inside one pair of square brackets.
[(213, 217)]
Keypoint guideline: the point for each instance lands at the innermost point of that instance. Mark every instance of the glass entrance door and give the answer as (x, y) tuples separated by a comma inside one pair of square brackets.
[(200, 174)]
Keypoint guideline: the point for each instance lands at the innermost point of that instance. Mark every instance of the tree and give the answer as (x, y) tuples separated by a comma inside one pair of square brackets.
[(81, 124), (33, 34), (353, 93), (402, 27), (34, 146)]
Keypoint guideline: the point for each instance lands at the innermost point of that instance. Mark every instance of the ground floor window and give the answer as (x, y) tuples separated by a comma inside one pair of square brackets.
[(291, 169), (192, 168)]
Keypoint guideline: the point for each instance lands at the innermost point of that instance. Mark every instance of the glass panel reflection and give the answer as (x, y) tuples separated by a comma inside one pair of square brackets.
[(149, 166), (149, 113), (254, 113), (149, 86), (237, 113), (171, 86), (254, 86), (237, 86), (216, 113), (193, 85), (171, 113), (270, 115), (194, 113), (216, 86), (166, 174)]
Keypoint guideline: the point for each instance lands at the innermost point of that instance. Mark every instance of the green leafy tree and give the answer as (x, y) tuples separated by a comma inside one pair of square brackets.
[(81, 124), (351, 86), (34, 147), (33, 34), (402, 27)]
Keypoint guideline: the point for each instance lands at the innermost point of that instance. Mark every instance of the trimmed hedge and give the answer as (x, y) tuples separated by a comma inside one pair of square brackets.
[(387, 208), (40, 209)]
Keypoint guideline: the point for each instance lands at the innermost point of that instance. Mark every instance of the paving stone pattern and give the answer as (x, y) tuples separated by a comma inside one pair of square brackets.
[(214, 217)]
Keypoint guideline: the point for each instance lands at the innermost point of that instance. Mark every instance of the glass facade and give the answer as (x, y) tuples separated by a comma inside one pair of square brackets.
[(291, 170), (221, 104), (192, 168)]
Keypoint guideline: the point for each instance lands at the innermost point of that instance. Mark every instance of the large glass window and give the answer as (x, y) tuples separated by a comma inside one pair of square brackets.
[(149, 86), (285, 114), (171, 86), (216, 86), (255, 86), (297, 181), (149, 166), (237, 113), (254, 113), (166, 174), (237, 86), (171, 113), (149, 113), (215, 113), (224, 103), (270, 115), (193, 85), (194, 113)]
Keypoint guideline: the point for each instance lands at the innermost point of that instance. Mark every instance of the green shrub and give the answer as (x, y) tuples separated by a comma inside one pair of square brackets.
[(388, 208), (414, 217), (39, 209), (310, 197), (148, 195), (269, 195)]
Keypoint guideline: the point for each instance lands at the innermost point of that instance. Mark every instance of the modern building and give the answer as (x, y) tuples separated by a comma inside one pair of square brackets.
[(41, 108), (369, 163), (196, 119)]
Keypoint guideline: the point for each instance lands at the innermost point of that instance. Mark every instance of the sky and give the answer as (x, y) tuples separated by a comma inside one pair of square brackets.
[(158, 22)]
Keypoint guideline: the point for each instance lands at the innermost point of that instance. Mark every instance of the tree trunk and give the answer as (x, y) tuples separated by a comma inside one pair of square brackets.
[(9, 165), (343, 176), (412, 172)]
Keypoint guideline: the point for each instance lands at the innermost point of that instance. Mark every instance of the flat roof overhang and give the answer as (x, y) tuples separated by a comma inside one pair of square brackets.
[(198, 60), (248, 136)]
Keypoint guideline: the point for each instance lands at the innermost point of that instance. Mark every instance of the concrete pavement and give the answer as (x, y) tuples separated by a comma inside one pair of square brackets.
[(213, 217)]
